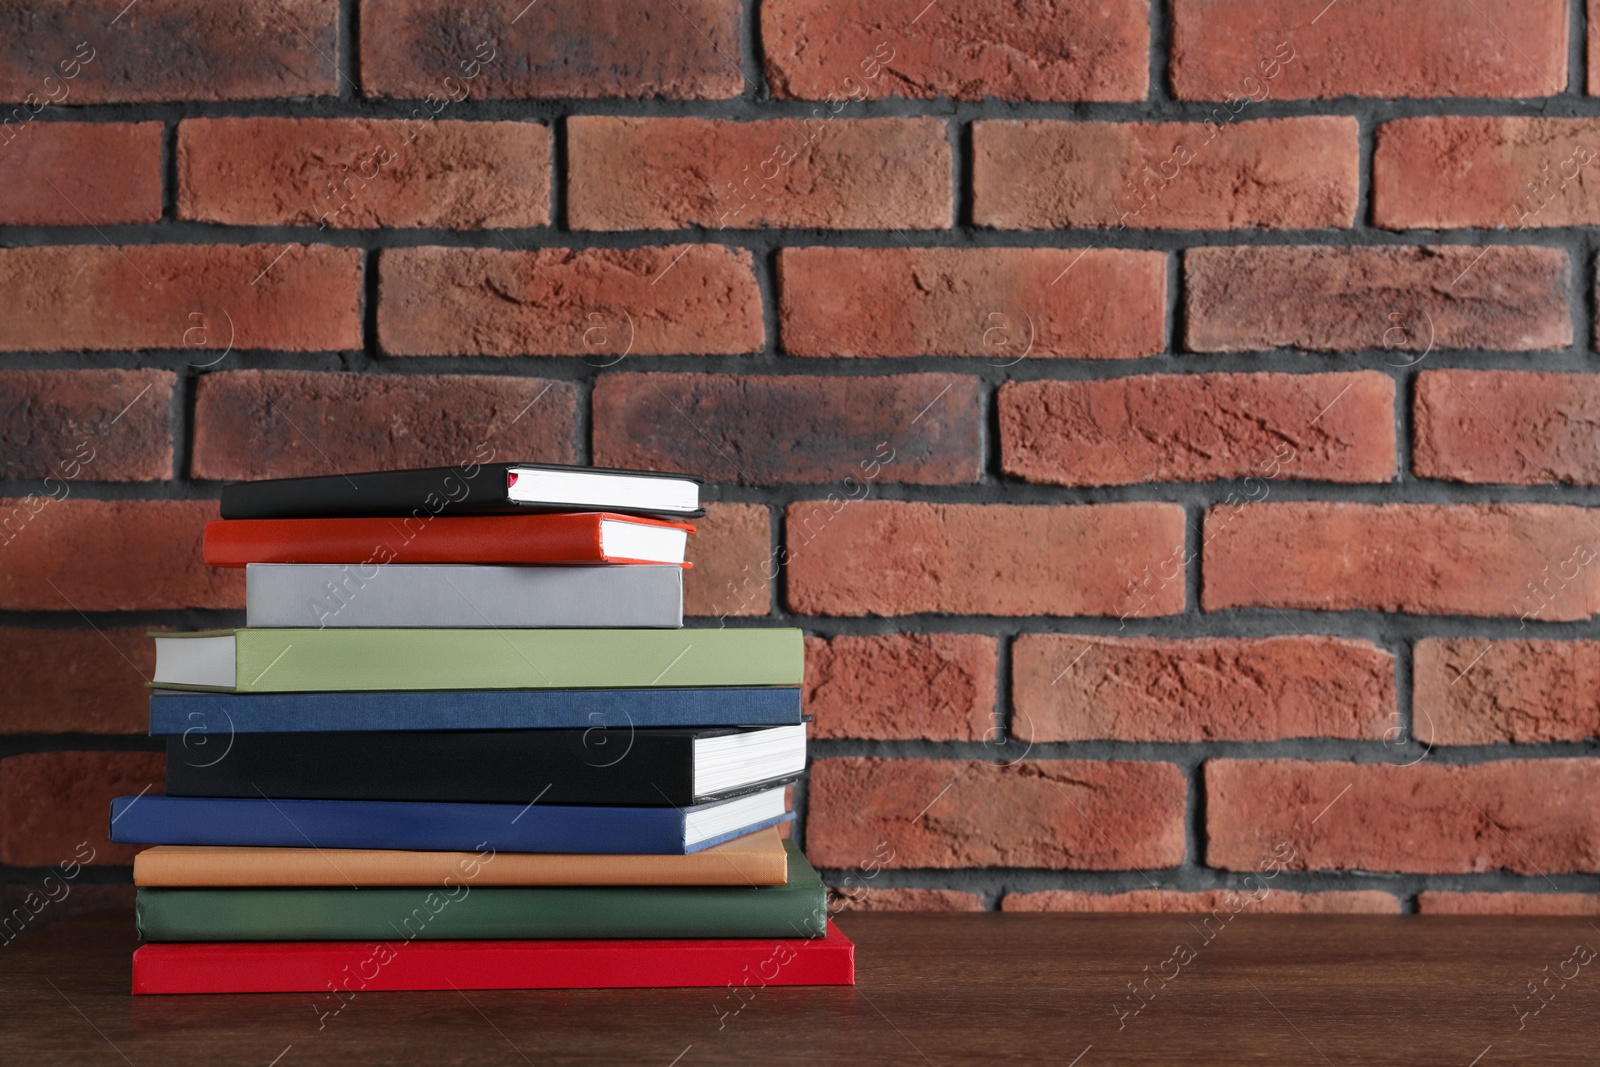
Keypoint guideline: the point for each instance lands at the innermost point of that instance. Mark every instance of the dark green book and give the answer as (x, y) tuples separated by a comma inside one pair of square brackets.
[(464, 912)]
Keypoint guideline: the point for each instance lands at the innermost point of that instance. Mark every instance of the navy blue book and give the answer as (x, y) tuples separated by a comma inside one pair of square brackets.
[(158, 819), (195, 714)]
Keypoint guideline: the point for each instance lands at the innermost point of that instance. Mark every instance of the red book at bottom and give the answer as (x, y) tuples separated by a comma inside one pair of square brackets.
[(339, 967)]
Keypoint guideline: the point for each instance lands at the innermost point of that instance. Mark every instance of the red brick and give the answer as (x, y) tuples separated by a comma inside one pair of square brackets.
[(1434, 902), (1407, 300), (93, 425), (939, 687), (209, 299), (863, 49), (1062, 814), (109, 555), (1275, 902), (80, 681), (27, 909), (1421, 559), (1004, 303), (1074, 688), (670, 173), (102, 172), (95, 52), (1467, 691), (1286, 49), (1527, 816), (918, 428), (859, 896), (603, 303), (1300, 173), (898, 558), (253, 424), (54, 805), (685, 49), (364, 173), (1519, 427), (1197, 427), (733, 562)]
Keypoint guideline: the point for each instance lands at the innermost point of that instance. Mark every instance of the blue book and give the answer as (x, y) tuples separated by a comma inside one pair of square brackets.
[(157, 819), (195, 714)]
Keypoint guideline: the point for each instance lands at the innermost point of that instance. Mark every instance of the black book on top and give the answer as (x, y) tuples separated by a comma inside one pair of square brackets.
[(609, 767), (467, 489)]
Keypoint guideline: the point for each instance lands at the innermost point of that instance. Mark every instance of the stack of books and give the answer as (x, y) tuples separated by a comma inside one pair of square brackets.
[(464, 742)]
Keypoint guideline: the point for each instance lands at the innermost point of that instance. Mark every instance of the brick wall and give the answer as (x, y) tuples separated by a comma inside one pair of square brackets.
[(1174, 423)]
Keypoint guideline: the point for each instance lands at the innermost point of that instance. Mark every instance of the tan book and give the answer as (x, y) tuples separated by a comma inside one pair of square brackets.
[(756, 859)]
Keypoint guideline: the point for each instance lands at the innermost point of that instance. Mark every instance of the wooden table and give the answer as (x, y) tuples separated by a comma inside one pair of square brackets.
[(933, 989)]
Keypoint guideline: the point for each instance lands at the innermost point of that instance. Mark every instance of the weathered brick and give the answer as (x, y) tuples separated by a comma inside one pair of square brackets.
[(1527, 816), (1406, 300), (1421, 559), (109, 555), (1298, 173), (210, 299), (80, 173), (1196, 427), (862, 49), (897, 558), (90, 425), (669, 173), (114, 52), (1062, 814), (81, 681), (1286, 49), (602, 303), (902, 686), (1226, 901), (918, 428), (253, 424), (859, 896), (1518, 427), (1467, 691), (1003, 303), (1077, 688), (685, 49), (733, 562), (1435, 902), (53, 805), (364, 173)]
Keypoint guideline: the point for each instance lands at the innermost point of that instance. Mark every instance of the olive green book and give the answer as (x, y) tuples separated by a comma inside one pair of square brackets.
[(346, 660), (460, 911)]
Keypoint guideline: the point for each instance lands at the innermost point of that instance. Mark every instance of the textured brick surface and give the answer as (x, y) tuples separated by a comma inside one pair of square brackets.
[(867, 897), (204, 299), (1407, 301), (104, 555), (1283, 49), (1301, 173), (1518, 427), (1432, 902), (1071, 688), (1467, 691), (362, 173), (666, 174), (688, 49), (1061, 814), (902, 686), (602, 303), (53, 805), (734, 566), (78, 681), (984, 559), (86, 425), (1525, 816), (1002, 303), (1518, 560), (861, 49), (1248, 900), (1196, 427), (917, 428), (286, 424), (80, 173)]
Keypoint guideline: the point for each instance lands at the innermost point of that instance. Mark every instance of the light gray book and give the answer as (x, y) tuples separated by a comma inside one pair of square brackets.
[(466, 595)]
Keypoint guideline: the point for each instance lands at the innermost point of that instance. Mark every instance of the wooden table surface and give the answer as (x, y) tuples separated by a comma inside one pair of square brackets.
[(933, 989)]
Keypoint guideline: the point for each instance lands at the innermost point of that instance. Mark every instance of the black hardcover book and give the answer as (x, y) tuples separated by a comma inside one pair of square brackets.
[(468, 489), (610, 767)]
